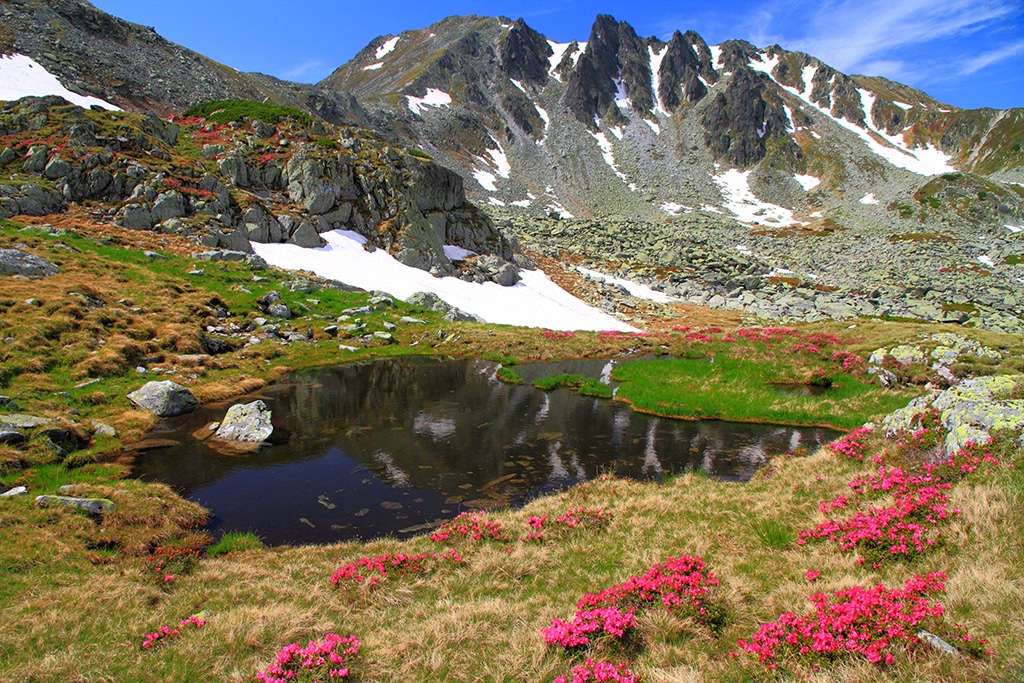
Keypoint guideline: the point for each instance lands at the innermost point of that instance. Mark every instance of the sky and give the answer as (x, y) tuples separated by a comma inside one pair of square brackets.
[(968, 53)]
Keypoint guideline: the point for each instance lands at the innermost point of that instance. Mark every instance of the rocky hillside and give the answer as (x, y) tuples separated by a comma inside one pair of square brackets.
[(231, 177), (134, 68), (624, 125)]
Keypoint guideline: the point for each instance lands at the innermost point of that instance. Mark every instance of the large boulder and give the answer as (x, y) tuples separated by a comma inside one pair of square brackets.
[(164, 399), (17, 262), (248, 422)]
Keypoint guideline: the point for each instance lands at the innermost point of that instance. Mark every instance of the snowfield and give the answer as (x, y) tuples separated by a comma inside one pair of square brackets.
[(533, 302), (22, 76)]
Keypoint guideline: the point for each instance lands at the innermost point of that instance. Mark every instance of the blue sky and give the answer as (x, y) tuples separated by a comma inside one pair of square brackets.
[(969, 53)]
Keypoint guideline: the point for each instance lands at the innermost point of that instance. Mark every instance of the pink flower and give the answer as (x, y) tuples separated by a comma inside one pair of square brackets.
[(812, 575)]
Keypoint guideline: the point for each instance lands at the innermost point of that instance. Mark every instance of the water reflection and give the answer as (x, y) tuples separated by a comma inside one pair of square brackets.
[(395, 446)]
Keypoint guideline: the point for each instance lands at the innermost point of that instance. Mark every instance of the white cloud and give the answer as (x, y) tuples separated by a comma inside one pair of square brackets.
[(301, 70), (991, 57), (853, 34)]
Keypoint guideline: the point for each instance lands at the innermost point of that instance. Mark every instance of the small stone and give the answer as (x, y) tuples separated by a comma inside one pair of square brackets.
[(16, 491), (164, 399), (94, 505)]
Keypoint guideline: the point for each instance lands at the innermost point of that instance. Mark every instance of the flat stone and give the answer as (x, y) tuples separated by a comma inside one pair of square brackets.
[(11, 437), (19, 421), (93, 505), (16, 491), (17, 262)]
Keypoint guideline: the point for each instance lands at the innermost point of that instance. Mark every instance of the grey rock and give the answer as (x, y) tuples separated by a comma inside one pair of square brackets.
[(135, 217), (386, 337), (12, 437), (428, 300), (103, 429), (16, 491), (279, 310), (905, 354), (95, 506), (37, 159), (234, 169), (19, 421), (263, 130), (412, 321), (937, 643), (57, 168), (210, 151), (222, 255), (306, 236), (168, 205), (164, 399), (17, 262), (249, 422), (9, 403)]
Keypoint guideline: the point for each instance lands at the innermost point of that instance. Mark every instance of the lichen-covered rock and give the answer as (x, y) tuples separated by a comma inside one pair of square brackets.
[(164, 399), (906, 354), (95, 506), (17, 262), (248, 422)]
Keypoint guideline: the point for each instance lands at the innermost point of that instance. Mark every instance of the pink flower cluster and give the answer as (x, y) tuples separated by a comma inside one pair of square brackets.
[(364, 568), (165, 564), (472, 525), (857, 621), (678, 582), (590, 625), (909, 526), (164, 633), (571, 519), (852, 445), (921, 503), (319, 661), (850, 362), (764, 334), (593, 670)]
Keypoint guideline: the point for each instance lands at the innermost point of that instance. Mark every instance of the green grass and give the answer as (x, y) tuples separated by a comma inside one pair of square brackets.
[(585, 386), (508, 376), (234, 542), (738, 389)]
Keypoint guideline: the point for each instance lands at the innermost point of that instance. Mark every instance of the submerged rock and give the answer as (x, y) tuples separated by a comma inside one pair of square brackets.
[(247, 422), (164, 399)]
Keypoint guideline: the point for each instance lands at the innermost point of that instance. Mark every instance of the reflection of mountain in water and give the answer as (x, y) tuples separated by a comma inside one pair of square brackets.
[(450, 428)]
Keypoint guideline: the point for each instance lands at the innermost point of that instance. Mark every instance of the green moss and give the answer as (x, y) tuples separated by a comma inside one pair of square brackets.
[(586, 386), (508, 376)]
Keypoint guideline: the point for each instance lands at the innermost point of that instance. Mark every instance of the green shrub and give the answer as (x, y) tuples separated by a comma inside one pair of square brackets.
[(226, 111)]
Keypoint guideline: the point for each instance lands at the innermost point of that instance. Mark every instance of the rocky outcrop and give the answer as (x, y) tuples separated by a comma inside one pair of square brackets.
[(17, 262), (524, 54), (164, 399)]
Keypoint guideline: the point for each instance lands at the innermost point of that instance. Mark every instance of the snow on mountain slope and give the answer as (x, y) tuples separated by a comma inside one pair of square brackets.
[(533, 302), (22, 76)]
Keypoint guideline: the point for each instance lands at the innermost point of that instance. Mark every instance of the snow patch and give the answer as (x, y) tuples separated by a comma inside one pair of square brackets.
[(656, 58), (744, 249), (985, 260), (535, 301), (517, 84), (765, 66), (655, 127), (487, 180), (456, 253), (616, 131), (1014, 228), (524, 203), (903, 105), (808, 182), (716, 56), (387, 47), (433, 98), (673, 208), (22, 76), (373, 67), (634, 288), (606, 152), (495, 201), (621, 96), (543, 114), (869, 198), (742, 202)]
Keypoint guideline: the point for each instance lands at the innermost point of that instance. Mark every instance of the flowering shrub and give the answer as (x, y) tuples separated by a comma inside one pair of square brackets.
[(765, 334), (470, 525), (820, 379), (858, 621), (697, 336), (165, 633), (852, 445), (609, 616), (570, 520), (165, 565), (850, 362), (318, 662), (912, 523), (821, 339), (363, 569), (591, 670), (591, 625)]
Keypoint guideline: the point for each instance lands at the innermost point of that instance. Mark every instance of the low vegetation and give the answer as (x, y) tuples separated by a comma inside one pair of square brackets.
[(687, 580)]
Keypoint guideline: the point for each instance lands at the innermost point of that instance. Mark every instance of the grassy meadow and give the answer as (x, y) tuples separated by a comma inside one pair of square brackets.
[(80, 594)]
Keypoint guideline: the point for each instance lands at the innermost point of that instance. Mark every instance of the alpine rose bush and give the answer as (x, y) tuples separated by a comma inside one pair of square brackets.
[(592, 670), (370, 571), (318, 662), (857, 622), (469, 525)]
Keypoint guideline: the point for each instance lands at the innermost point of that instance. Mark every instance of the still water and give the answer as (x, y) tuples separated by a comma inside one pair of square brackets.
[(397, 446)]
